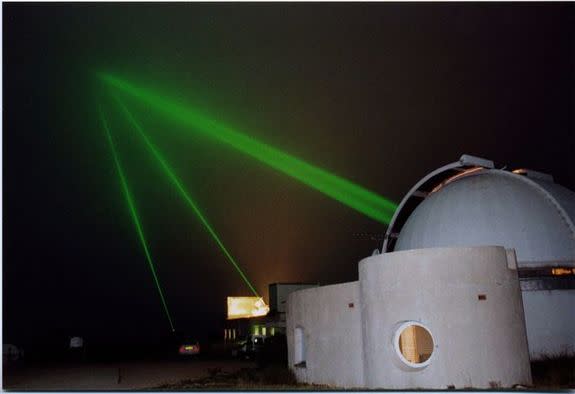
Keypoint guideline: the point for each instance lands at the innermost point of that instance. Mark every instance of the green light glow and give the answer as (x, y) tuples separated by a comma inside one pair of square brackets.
[(134, 214), (174, 179), (342, 190)]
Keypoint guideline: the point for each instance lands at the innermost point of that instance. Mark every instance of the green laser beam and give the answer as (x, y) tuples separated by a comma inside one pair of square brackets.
[(134, 214), (176, 181), (340, 189)]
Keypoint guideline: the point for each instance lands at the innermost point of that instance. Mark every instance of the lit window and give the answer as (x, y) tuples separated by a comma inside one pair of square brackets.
[(413, 344), (563, 271)]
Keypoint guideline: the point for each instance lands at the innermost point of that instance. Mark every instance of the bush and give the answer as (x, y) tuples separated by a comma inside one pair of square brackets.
[(554, 371)]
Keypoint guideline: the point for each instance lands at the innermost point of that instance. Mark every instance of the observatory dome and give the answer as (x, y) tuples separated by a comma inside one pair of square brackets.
[(470, 203), (494, 207)]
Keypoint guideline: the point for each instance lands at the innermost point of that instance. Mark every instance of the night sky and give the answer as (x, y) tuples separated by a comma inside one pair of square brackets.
[(380, 94)]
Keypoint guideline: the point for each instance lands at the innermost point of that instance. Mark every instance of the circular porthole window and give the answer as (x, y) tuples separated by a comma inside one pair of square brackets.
[(413, 344)]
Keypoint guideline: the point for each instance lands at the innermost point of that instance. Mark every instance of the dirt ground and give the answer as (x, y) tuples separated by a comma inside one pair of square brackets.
[(184, 375), (272, 377), (115, 376)]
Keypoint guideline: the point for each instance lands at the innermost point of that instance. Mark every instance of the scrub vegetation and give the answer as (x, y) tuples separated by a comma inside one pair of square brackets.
[(554, 372), (272, 377)]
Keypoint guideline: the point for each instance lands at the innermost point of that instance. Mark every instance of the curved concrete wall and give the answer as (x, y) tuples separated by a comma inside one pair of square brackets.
[(478, 342), (329, 329)]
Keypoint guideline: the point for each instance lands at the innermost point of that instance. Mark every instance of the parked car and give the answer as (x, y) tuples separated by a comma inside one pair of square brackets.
[(249, 347), (189, 348)]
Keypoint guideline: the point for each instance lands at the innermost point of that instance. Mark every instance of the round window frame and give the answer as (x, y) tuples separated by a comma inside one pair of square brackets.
[(400, 355)]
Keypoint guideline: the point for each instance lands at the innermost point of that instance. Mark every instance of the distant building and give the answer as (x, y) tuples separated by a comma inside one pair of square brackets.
[(269, 325)]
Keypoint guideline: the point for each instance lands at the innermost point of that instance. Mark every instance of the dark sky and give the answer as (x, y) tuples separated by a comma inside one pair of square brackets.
[(378, 93)]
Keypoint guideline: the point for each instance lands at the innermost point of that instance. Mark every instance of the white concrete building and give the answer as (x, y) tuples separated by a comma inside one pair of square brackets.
[(429, 318), (475, 276)]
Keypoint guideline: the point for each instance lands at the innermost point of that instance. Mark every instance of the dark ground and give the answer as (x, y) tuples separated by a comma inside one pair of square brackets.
[(159, 367), (206, 373), (273, 377), (121, 375)]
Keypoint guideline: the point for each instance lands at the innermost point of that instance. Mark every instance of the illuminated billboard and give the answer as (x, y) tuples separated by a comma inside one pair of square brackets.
[(242, 307)]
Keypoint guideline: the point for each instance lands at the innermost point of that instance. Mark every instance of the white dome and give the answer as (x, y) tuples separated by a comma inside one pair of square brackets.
[(469, 203), (496, 207)]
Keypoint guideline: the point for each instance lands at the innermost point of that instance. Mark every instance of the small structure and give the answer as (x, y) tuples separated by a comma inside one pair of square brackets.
[(76, 343), (11, 353), (76, 349)]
